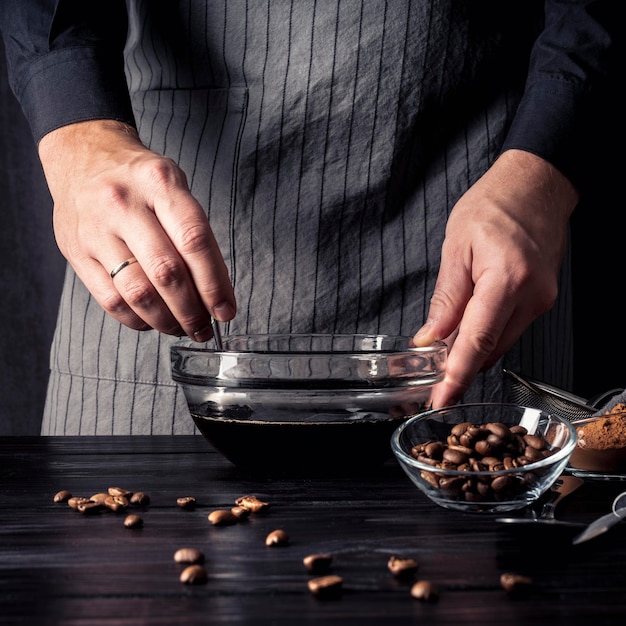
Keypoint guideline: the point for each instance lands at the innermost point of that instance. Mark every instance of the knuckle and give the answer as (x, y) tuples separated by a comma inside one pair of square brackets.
[(193, 238), (194, 322), (116, 196), (139, 294), (483, 341), (162, 173), (113, 303), (166, 272), (441, 299)]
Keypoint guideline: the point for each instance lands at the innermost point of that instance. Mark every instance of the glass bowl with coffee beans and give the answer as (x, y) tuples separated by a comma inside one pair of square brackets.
[(311, 402), (484, 457)]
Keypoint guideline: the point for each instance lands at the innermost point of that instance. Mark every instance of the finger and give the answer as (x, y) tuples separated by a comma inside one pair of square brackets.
[(447, 305), (194, 240), (162, 291), (131, 282), (478, 340), (98, 280)]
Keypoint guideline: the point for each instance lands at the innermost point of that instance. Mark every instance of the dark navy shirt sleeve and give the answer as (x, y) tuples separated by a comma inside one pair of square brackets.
[(572, 72), (65, 60)]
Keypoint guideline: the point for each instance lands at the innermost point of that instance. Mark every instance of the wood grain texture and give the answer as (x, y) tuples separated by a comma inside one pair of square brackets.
[(93, 570)]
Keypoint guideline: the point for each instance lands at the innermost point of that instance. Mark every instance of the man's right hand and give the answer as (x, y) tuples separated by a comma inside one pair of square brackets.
[(113, 200)]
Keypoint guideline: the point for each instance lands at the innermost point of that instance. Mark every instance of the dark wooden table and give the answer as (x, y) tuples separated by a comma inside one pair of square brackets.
[(59, 566)]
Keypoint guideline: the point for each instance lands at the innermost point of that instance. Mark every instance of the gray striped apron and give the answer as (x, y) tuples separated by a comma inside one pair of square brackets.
[(327, 141)]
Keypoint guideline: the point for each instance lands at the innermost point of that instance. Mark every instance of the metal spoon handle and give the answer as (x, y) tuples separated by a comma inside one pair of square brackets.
[(567, 485), (217, 334)]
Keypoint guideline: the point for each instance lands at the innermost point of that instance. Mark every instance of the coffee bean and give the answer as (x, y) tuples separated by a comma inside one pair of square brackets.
[(501, 483), (188, 555), (186, 502), (425, 591), (62, 496), (89, 507), (515, 583), (454, 455), (533, 454), (140, 498), (533, 441), (326, 586), (253, 503), (74, 501), (133, 521), (118, 491), (459, 429), (194, 575), (402, 566), (498, 429), (222, 517), (434, 449), (318, 563), (277, 538), (116, 503), (99, 497), (241, 512)]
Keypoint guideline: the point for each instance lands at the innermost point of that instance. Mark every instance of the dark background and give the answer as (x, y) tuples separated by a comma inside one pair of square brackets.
[(31, 273)]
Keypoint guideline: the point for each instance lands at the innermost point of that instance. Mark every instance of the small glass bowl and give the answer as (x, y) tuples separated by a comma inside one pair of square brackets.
[(488, 487), (306, 402)]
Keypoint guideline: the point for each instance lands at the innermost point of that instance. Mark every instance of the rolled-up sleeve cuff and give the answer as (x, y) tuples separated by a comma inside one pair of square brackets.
[(74, 85), (549, 124)]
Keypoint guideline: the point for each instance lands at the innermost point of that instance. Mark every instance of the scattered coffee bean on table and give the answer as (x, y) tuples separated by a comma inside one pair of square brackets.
[(329, 586), (277, 538), (141, 498), (515, 583), (133, 521), (241, 512), (402, 566), (186, 502), (194, 575), (222, 517), (253, 503), (62, 496), (116, 503), (188, 555), (75, 501), (118, 491), (89, 507), (318, 563), (425, 591)]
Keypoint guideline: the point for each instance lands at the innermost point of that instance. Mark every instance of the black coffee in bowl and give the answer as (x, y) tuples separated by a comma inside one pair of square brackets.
[(305, 446)]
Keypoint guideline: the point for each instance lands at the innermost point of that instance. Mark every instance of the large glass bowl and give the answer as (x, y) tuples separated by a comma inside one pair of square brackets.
[(471, 481), (313, 402)]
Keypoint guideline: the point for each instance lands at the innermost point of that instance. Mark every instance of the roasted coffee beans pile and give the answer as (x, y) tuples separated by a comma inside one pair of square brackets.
[(114, 499), (244, 507), (482, 448)]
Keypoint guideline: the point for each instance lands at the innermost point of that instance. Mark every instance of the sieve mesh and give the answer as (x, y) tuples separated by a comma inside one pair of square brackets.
[(535, 394)]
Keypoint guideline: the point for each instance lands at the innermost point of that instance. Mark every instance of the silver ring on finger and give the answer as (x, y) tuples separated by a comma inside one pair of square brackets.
[(118, 268)]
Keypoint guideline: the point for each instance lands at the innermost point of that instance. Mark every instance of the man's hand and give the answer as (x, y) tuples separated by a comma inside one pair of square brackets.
[(504, 245), (114, 199)]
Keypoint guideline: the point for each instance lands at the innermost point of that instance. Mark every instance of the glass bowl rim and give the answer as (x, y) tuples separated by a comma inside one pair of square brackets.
[(187, 345), (553, 459)]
